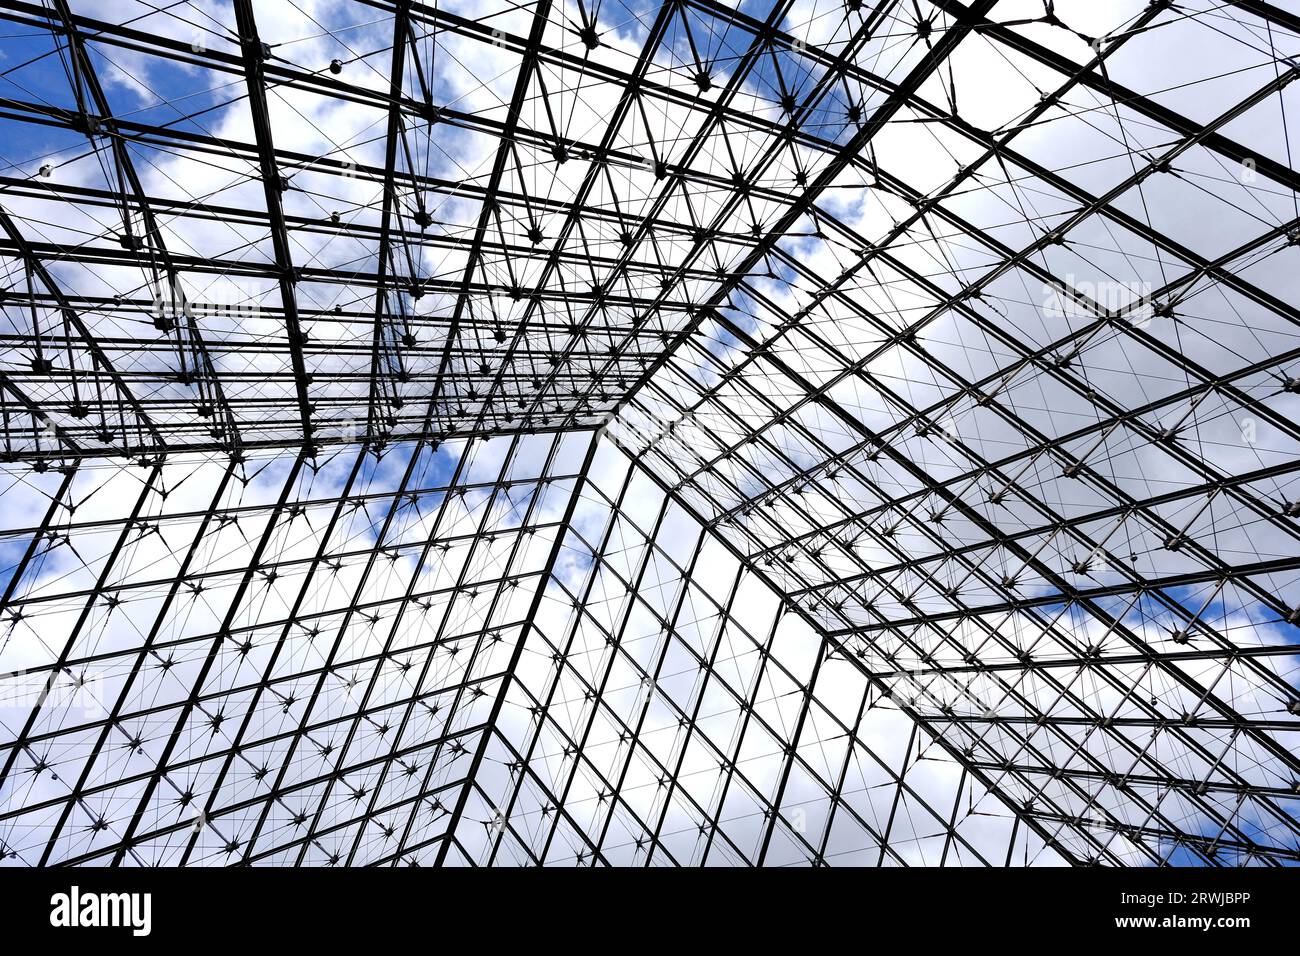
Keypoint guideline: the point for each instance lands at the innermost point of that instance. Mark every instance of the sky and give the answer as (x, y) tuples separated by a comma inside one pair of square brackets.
[(842, 339)]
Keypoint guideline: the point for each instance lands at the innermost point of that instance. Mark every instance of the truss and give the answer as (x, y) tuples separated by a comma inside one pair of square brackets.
[(617, 433)]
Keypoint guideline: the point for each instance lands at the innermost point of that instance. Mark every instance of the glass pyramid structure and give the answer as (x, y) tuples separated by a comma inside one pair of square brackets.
[(603, 432)]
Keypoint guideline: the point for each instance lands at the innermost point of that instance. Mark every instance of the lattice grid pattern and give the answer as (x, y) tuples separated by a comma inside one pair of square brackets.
[(609, 432)]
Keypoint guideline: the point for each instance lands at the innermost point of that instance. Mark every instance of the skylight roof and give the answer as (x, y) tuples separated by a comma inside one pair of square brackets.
[(626, 433)]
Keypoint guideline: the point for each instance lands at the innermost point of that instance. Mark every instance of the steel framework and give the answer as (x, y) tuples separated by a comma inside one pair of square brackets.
[(604, 432)]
